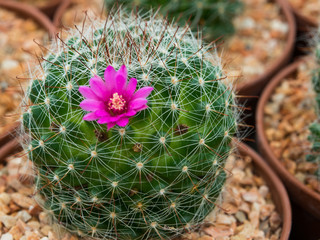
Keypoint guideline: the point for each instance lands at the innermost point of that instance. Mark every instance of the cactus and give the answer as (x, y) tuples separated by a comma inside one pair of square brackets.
[(314, 128), (213, 16), (157, 175)]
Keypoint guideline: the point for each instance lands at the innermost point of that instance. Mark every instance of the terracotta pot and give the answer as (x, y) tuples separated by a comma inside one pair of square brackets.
[(27, 11), (51, 7), (278, 191), (9, 143), (59, 13), (300, 193), (255, 85)]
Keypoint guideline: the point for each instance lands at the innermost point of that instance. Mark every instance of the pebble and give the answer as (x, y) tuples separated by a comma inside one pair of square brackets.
[(5, 198), (250, 196), (23, 215), (8, 221), (6, 236)]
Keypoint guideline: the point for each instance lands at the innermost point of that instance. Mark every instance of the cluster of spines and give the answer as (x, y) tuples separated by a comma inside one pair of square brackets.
[(214, 17), (160, 174)]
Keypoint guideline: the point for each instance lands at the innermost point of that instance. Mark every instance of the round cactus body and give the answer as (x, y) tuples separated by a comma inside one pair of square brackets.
[(213, 16), (154, 176)]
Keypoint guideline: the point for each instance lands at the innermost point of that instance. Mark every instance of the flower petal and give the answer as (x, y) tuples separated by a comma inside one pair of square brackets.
[(91, 105), (120, 83), (99, 87), (102, 113), (142, 108), (131, 113), (123, 71), (123, 122), (90, 117), (143, 92), (137, 103), (87, 92), (108, 119), (110, 125), (131, 87), (109, 77)]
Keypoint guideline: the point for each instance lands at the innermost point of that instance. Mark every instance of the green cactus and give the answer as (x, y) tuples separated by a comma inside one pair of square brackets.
[(162, 173), (214, 17), (314, 128)]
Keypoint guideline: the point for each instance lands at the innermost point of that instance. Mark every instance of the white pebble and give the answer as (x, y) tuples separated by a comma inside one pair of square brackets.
[(9, 64), (6, 236)]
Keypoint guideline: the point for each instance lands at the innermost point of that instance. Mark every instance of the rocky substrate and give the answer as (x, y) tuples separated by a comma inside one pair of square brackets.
[(308, 8), (246, 210), (17, 49), (259, 39), (288, 115), (76, 14), (36, 3)]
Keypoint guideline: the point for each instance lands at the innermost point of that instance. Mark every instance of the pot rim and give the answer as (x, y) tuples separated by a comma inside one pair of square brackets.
[(259, 81), (60, 12), (32, 12), (261, 136), (51, 4), (284, 207)]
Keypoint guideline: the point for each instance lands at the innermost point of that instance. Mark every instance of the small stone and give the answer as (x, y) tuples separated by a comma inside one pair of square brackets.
[(35, 210), (5, 198), (6, 236), (44, 218), (24, 216), (218, 231), (264, 190), (250, 196), (8, 221), (241, 216), (16, 232), (35, 225), (225, 219), (275, 220), (266, 211), (9, 64), (22, 201), (45, 230), (32, 236)]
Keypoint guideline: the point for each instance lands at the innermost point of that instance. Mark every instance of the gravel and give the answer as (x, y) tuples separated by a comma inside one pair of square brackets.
[(288, 115)]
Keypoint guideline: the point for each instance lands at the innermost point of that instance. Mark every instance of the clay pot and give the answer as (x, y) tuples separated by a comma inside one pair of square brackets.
[(9, 143), (26, 11), (51, 7), (300, 193), (255, 85), (278, 191), (60, 11)]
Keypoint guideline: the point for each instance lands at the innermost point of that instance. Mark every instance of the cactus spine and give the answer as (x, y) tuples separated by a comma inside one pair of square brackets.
[(159, 175), (214, 17)]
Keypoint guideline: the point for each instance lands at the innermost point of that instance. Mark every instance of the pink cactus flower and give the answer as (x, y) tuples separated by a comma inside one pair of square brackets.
[(113, 101)]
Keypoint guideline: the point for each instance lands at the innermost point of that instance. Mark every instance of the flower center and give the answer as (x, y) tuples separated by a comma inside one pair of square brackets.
[(116, 102)]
